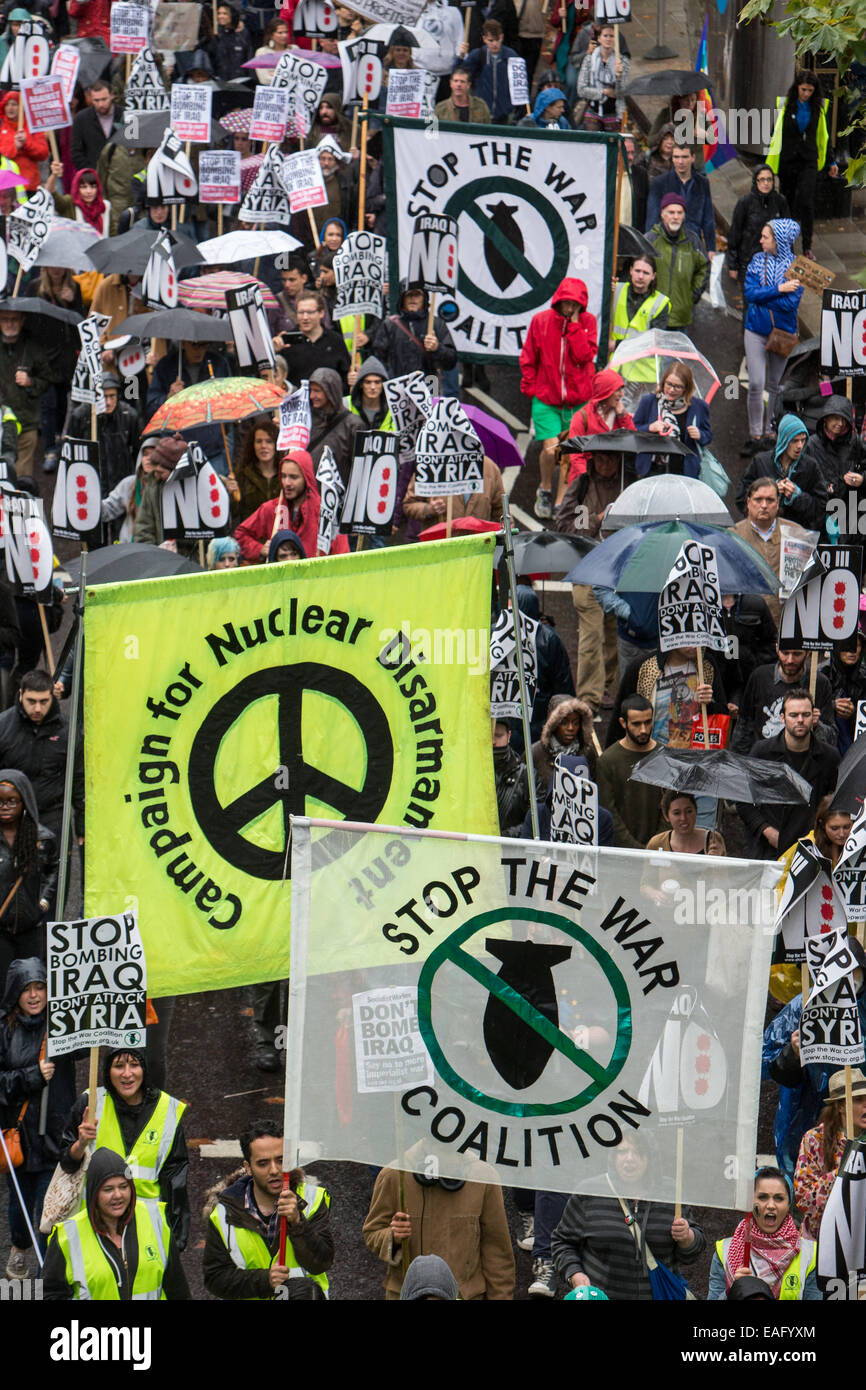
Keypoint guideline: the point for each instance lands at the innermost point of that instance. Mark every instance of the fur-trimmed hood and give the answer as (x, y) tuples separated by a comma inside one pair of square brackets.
[(559, 707)]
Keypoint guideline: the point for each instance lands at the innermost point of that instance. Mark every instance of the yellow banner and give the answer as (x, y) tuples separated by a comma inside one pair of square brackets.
[(350, 687)]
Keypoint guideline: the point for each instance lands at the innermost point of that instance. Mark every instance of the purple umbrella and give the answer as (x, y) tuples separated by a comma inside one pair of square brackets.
[(496, 438)]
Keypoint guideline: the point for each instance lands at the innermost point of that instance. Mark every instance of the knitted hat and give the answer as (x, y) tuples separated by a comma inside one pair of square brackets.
[(169, 452), (673, 200)]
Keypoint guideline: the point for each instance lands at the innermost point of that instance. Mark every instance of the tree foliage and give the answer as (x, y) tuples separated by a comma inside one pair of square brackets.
[(824, 26)]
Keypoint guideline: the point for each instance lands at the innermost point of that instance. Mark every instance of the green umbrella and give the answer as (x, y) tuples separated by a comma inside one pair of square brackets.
[(639, 559)]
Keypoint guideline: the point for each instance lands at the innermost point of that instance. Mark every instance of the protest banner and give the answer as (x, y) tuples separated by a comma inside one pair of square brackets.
[(195, 503), (65, 65), (544, 981), (249, 325), (130, 27), (809, 904), (219, 176), (191, 112), (359, 272), (391, 11), (449, 459), (27, 544), (830, 1025), (331, 490), (175, 27), (573, 809), (823, 609), (849, 875), (842, 1235), (531, 208), (406, 92), (843, 332), (296, 420), (361, 61), (270, 114), (306, 81), (518, 82), (612, 11), (409, 400), (690, 604), (504, 672), (170, 177), (159, 286), (46, 106), (224, 675), (371, 494), (76, 510), (433, 255), (145, 90), (389, 1051), (27, 228), (302, 179), (29, 53), (267, 199), (315, 19), (795, 554), (97, 984)]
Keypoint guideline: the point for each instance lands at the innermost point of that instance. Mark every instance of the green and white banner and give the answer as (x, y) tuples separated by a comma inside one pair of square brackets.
[(532, 207)]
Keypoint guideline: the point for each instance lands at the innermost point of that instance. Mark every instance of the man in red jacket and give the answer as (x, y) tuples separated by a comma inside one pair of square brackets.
[(557, 367)]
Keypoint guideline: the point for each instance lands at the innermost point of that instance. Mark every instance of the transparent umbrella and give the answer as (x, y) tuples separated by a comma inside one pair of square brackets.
[(642, 359), (667, 497)]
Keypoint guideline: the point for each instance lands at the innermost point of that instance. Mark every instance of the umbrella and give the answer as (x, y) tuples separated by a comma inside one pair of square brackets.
[(42, 307), (624, 442), (549, 552), (639, 559), (631, 242), (178, 325), (116, 564), (722, 774), (667, 498), (667, 347), (249, 168), (66, 244), (95, 59), (401, 34), (237, 122), (851, 782), (674, 82), (245, 246), (9, 179), (496, 438), (209, 291), (142, 130), (220, 399), (130, 253), (460, 526), (270, 60)]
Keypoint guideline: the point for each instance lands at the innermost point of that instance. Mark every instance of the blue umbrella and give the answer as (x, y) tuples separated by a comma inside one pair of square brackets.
[(639, 559)]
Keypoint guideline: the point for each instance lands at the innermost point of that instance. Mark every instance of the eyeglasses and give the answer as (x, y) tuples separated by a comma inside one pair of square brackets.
[(10, 801)]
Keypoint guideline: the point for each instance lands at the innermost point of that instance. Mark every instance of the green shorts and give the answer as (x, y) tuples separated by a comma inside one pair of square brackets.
[(550, 420)]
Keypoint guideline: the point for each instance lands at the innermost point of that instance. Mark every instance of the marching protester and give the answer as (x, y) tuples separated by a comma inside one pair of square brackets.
[(777, 825), (768, 1245), (674, 411), (752, 213), (799, 478), (256, 470), (567, 729), (28, 872), (821, 1148), (800, 149), (682, 269), (685, 182), (402, 341), (759, 715), (680, 810), (296, 509), (765, 531), (638, 307), (33, 738), (636, 807), (772, 298)]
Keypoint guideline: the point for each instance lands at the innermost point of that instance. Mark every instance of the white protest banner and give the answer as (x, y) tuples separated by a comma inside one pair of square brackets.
[(406, 90), (175, 28), (296, 420), (219, 176), (195, 503), (842, 1235), (531, 208), (361, 61), (795, 554), (191, 112), (331, 490), (315, 19), (46, 106), (28, 545), (612, 11), (690, 604), (829, 958), (860, 724), (267, 199), (29, 53), (389, 1051), (145, 90), (97, 984), (830, 1027), (159, 286), (170, 177), (849, 874), (130, 27), (359, 271), (302, 179), (433, 254), (518, 82), (409, 400), (86, 385), (28, 226), (65, 65), (76, 509), (305, 79), (391, 11), (574, 808), (843, 339), (449, 459), (544, 981), (371, 493), (249, 324), (270, 114), (504, 673), (824, 607), (809, 904)]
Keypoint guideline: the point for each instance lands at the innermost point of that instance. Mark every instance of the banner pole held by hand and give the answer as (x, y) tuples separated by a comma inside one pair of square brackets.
[(701, 681), (431, 313), (813, 675), (521, 670), (449, 516)]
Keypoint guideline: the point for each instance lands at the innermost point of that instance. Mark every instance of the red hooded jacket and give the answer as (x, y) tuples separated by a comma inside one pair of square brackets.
[(589, 421), (275, 515), (94, 18), (557, 363), (32, 152)]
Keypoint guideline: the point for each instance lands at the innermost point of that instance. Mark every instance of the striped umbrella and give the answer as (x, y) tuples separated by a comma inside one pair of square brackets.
[(209, 291), (219, 400)]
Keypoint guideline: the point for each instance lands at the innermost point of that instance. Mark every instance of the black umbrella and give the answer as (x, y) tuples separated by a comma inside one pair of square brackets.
[(851, 782), (130, 253), (178, 325), (41, 307), (674, 82), (722, 774), (631, 242), (623, 442), (142, 130), (549, 552), (116, 564), (95, 59)]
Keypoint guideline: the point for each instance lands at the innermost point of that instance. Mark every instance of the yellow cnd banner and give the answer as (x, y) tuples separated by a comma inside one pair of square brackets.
[(352, 687)]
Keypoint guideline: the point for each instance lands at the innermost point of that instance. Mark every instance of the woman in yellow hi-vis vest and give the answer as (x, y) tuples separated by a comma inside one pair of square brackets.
[(767, 1245), (140, 1123), (118, 1249), (799, 150)]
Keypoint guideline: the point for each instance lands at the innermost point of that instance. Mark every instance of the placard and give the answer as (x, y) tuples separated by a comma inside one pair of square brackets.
[(518, 82), (849, 875), (191, 112), (249, 325), (305, 79), (195, 504), (824, 608), (361, 61), (795, 554), (130, 27), (296, 421), (449, 459), (843, 332), (409, 400), (690, 605), (302, 179), (267, 199), (28, 226), (65, 65), (219, 176), (315, 19), (612, 11), (389, 1051), (332, 490), (46, 106), (270, 114), (433, 254), (504, 673), (830, 1028), (28, 546), (574, 808), (29, 53), (97, 984), (76, 509), (406, 89), (145, 90), (159, 287), (360, 272), (371, 494), (813, 276), (170, 177)]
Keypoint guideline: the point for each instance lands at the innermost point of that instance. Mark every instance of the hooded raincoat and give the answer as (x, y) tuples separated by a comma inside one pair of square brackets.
[(557, 364)]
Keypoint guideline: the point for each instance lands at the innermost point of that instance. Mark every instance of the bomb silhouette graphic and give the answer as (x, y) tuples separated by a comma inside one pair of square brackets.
[(500, 267), (517, 1051)]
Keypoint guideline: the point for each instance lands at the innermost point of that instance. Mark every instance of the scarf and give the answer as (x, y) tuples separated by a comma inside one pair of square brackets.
[(92, 213), (601, 73), (770, 1254), (668, 411)]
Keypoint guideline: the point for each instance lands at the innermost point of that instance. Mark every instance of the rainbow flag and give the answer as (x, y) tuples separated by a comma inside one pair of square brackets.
[(717, 151)]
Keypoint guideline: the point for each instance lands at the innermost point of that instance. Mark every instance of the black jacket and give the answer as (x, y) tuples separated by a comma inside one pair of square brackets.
[(751, 215), (819, 767), (88, 138), (810, 507), (118, 435), (399, 343), (39, 883), (312, 1243), (20, 1077), (39, 750), (512, 790), (760, 714), (750, 623), (834, 458), (305, 357), (10, 628)]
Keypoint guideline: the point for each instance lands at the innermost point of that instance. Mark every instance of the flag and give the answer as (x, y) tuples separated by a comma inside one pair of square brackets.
[(525, 1006), (217, 706), (717, 149)]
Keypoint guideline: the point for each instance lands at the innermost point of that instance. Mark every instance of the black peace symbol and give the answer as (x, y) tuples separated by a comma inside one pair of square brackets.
[(222, 825)]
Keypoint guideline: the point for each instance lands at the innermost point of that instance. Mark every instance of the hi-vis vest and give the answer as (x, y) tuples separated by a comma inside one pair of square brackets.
[(387, 421), (88, 1268), (822, 139), (793, 1280), (152, 1146), (646, 368), (249, 1251)]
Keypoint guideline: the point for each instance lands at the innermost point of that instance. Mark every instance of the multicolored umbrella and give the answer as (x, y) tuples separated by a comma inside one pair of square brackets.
[(639, 559), (249, 168), (209, 291), (237, 122), (219, 400)]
